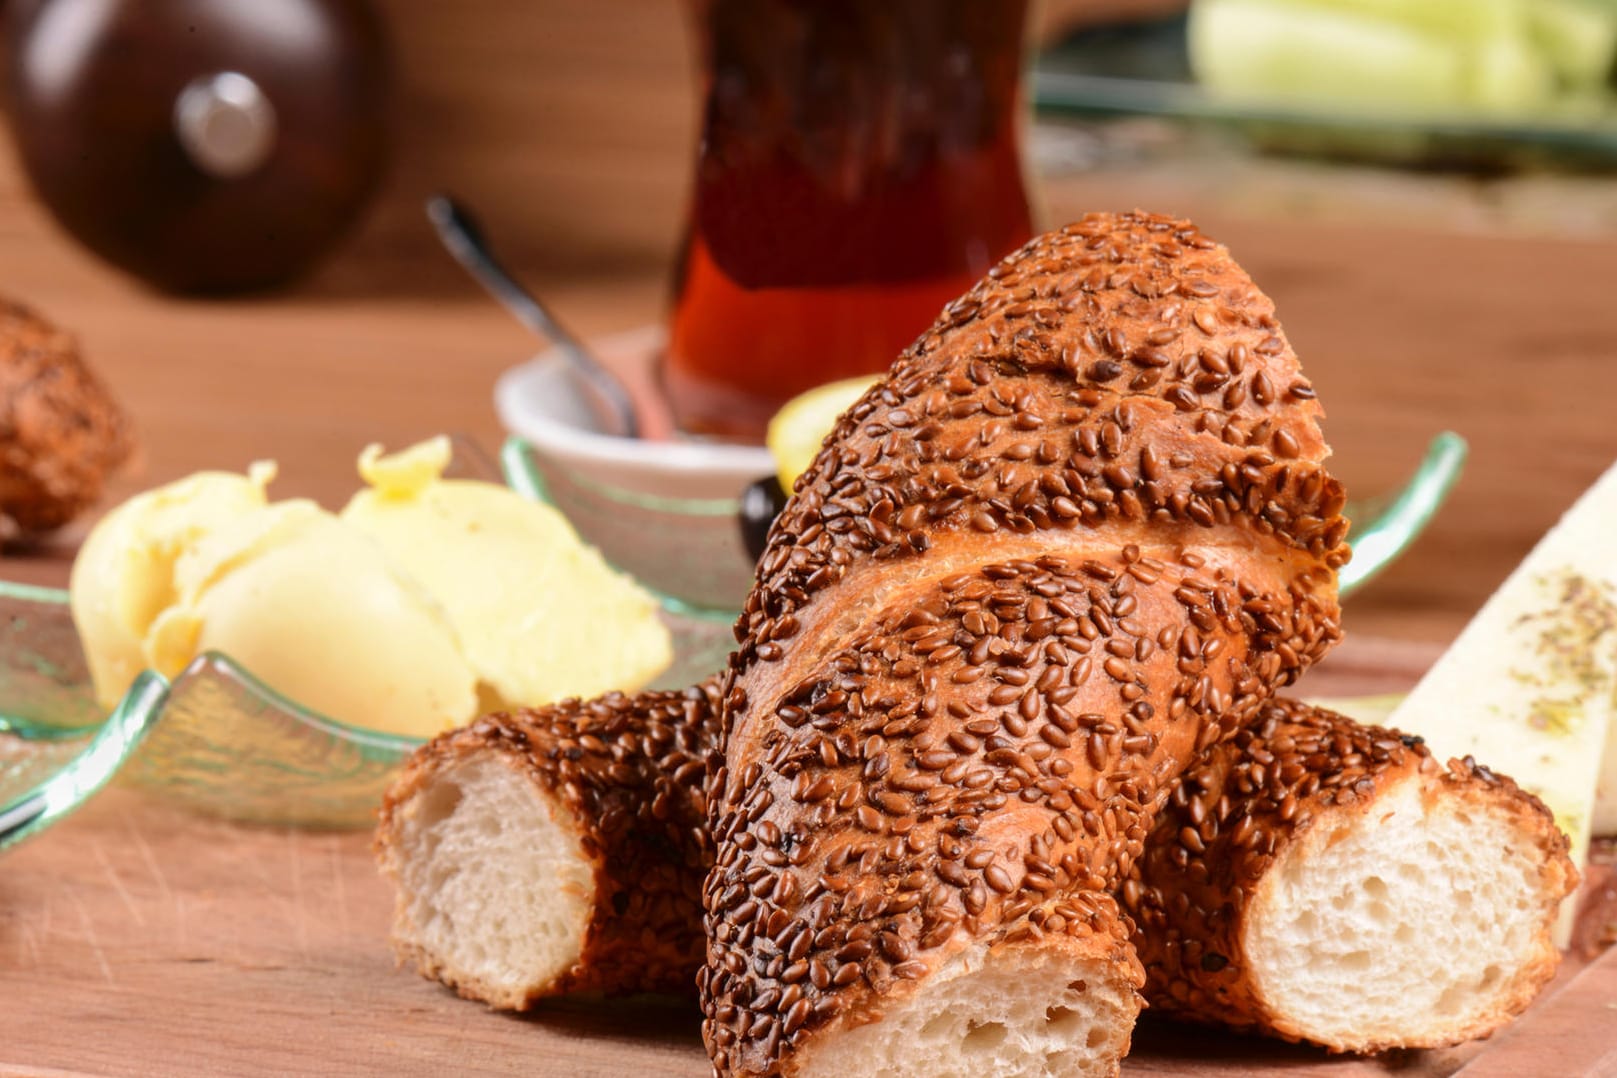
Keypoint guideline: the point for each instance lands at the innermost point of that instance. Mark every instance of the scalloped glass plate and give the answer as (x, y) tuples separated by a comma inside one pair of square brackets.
[(219, 741)]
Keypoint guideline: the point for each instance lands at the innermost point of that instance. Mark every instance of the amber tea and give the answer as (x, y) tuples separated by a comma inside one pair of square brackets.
[(859, 167)]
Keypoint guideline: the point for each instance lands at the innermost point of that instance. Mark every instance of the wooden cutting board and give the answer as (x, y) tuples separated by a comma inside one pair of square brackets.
[(136, 939)]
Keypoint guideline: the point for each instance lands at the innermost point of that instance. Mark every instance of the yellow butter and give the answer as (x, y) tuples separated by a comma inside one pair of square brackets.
[(317, 611), (123, 577), (542, 616), (427, 601)]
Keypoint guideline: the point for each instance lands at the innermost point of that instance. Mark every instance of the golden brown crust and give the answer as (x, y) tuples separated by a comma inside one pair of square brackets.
[(1243, 806), (629, 772), (1122, 371), (1080, 532), (60, 432)]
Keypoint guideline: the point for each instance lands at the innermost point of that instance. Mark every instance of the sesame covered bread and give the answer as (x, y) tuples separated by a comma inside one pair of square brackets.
[(1319, 880), (918, 830), (1080, 532), (555, 850), (1248, 912), (61, 434)]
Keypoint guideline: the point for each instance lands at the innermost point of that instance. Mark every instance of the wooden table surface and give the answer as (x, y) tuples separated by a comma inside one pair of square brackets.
[(138, 939), (134, 939)]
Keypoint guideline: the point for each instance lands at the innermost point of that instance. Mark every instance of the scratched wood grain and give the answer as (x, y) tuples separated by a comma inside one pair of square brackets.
[(136, 940)]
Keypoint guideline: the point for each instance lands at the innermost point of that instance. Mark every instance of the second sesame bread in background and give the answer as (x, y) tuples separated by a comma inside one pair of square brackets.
[(61, 433), (1319, 880)]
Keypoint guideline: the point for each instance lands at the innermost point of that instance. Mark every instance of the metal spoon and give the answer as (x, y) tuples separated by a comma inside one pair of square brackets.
[(462, 236)]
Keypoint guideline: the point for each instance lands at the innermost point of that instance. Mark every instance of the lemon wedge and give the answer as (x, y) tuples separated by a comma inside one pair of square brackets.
[(799, 428)]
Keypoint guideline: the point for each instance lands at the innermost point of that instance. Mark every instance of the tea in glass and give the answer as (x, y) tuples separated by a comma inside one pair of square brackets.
[(859, 167)]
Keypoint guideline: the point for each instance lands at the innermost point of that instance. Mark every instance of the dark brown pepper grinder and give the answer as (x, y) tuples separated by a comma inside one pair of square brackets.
[(203, 145)]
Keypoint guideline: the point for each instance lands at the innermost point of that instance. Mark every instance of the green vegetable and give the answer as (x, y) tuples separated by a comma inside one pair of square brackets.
[(1506, 76), (1274, 50), (1403, 57), (1454, 21), (1578, 38)]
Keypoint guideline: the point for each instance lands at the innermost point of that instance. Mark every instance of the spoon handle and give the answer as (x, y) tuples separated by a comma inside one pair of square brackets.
[(464, 239)]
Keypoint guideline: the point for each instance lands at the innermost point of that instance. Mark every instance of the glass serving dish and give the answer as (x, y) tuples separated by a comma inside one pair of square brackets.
[(219, 741), (215, 739), (661, 508), (1142, 69)]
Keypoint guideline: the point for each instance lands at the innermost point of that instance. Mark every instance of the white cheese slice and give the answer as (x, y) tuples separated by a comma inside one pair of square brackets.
[(1529, 688)]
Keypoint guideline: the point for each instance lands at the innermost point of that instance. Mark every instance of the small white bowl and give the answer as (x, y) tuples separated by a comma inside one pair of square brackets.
[(663, 510)]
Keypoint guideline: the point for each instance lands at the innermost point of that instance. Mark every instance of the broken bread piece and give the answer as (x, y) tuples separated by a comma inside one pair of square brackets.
[(555, 850), (999, 1010), (1322, 881)]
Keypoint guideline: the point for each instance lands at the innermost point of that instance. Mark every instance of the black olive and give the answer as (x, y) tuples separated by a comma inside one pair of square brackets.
[(761, 503)]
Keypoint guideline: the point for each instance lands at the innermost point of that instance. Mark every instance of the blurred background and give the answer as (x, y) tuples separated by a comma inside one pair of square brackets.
[(1450, 273)]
